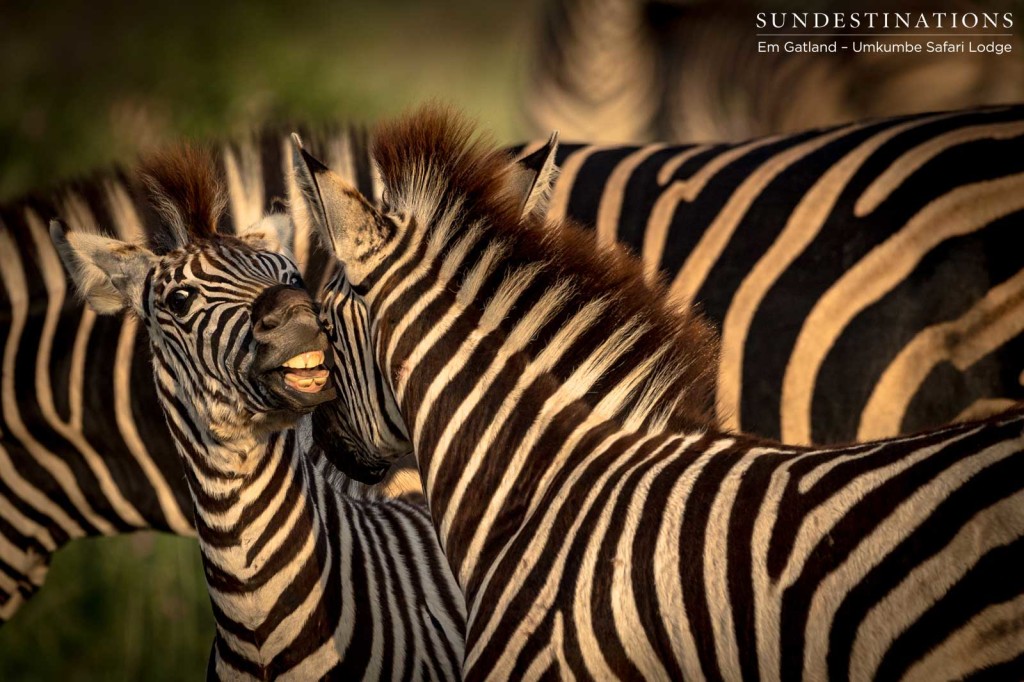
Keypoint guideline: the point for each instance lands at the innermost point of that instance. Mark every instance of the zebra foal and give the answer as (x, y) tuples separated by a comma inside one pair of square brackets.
[(597, 520), (305, 581), (84, 450)]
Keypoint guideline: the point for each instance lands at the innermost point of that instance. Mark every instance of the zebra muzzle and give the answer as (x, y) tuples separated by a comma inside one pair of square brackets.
[(291, 348)]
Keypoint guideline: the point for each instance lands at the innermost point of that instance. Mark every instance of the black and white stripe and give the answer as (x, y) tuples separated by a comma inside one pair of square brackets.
[(597, 533), (83, 449), (770, 236), (864, 278), (305, 581)]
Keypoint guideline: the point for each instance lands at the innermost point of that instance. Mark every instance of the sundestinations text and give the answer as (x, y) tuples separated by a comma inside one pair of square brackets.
[(885, 20)]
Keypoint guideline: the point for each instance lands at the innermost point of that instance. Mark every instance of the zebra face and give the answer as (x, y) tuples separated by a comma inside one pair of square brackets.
[(362, 431), (233, 333)]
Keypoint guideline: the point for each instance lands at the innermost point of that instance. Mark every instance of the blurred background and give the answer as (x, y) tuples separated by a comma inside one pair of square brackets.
[(87, 84)]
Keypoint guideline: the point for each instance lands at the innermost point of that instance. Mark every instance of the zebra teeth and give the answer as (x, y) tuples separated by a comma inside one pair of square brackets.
[(307, 383), (306, 360)]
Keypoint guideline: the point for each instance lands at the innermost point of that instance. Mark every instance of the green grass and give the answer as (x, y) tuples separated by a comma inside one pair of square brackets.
[(125, 608), (87, 83)]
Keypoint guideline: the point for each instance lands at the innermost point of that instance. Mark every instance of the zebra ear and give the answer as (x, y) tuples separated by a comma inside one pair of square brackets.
[(272, 232), (347, 222), (108, 273), (535, 176)]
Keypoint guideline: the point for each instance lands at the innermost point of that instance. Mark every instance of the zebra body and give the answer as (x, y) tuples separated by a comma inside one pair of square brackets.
[(601, 524), (772, 237), (863, 278), (305, 581)]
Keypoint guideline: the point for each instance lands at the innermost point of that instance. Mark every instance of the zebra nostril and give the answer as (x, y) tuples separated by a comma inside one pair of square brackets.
[(276, 306), (268, 323)]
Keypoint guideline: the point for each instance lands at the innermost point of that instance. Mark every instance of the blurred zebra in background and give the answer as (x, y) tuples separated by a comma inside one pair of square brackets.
[(305, 581), (690, 71), (826, 258)]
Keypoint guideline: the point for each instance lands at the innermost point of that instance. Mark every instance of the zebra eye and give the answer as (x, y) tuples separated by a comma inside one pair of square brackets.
[(295, 280), (180, 300)]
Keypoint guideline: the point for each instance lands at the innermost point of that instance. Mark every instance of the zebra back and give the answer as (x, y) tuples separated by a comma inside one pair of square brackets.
[(864, 278)]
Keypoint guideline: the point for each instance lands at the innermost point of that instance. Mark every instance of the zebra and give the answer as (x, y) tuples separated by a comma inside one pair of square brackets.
[(771, 236), (598, 521), (83, 448), (631, 71), (305, 581), (864, 278)]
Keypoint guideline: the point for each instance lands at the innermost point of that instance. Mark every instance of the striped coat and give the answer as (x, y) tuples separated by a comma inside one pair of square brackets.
[(305, 581), (598, 521), (772, 237)]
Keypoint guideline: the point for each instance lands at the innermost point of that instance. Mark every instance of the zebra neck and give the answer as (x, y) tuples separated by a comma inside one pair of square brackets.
[(490, 419), (254, 521)]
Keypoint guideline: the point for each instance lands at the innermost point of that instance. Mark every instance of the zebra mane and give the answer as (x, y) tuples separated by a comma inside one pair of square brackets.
[(435, 156), (434, 166), (187, 192)]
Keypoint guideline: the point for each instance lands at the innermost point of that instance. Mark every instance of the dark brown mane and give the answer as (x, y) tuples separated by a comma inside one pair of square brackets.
[(435, 151), (187, 192)]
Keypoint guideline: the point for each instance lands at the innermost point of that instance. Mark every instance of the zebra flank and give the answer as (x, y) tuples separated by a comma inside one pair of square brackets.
[(305, 581), (864, 279), (596, 534)]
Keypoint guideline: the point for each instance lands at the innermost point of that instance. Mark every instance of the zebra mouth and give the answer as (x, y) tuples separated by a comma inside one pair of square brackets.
[(306, 372)]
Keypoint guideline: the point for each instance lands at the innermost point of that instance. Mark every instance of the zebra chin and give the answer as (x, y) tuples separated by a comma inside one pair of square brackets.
[(337, 448), (290, 398)]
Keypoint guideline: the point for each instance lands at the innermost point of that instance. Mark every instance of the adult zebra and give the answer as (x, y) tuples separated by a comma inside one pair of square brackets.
[(864, 278), (911, 223), (598, 522), (629, 71), (305, 582)]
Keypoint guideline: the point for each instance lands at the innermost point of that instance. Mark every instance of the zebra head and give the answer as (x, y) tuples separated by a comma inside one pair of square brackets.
[(236, 340), (363, 432)]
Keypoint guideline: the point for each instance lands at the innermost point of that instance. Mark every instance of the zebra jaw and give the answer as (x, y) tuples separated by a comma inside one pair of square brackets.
[(308, 375)]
